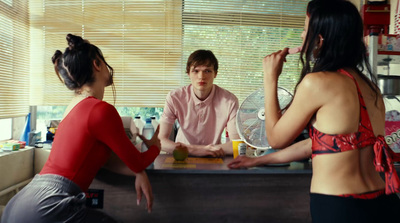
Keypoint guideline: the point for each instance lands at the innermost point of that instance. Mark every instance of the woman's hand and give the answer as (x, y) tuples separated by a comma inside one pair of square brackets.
[(154, 141), (242, 161), (142, 185), (273, 64)]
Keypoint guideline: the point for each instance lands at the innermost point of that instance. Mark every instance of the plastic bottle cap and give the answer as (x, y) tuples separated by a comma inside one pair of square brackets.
[(148, 120)]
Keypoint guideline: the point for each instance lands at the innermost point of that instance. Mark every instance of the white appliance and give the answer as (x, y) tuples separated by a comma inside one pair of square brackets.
[(130, 128), (250, 119)]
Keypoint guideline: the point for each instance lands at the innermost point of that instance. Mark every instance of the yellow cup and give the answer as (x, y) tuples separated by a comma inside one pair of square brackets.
[(235, 146)]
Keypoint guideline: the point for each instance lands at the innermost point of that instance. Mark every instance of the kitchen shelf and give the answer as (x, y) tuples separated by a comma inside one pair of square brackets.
[(385, 57), (381, 52)]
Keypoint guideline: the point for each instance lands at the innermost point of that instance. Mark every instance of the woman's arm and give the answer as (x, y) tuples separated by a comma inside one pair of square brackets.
[(142, 184), (106, 125), (115, 164), (282, 129), (298, 151)]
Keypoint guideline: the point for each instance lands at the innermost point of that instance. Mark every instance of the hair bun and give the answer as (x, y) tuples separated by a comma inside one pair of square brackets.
[(56, 56), (74, 42)]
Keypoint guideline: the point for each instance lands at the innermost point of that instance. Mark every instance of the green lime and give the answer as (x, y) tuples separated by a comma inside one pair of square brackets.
[(180, 153)]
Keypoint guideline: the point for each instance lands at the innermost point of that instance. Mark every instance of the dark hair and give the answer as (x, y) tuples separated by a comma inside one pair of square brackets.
[(202, 57), (74, 67), (341, 27)]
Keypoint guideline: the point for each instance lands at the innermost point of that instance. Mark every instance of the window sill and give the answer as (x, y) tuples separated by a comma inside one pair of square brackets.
[(14, 153)]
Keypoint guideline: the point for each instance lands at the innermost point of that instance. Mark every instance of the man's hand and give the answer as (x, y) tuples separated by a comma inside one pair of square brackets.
[(209, 150)]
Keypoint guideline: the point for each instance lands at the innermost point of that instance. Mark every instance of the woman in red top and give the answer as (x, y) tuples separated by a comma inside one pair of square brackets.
[(90, 131), (345, 113)]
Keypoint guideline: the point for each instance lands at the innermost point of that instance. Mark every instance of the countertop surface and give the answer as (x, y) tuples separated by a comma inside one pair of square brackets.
[(166, 163)]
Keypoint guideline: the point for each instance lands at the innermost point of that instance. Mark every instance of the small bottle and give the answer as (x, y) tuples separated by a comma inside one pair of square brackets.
[(242, 149), (139, 124), (227, 136), (148, 132), (154, 122), (25, 133)]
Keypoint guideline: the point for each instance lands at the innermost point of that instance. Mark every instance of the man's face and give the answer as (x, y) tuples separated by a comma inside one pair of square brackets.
[(202, 77)]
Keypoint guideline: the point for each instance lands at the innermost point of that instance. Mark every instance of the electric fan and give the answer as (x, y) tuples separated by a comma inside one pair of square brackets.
[(250, 118)]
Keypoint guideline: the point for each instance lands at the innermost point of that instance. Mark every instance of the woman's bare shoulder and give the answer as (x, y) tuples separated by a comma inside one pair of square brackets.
[(316, 82), (326, 81), (323, 87)]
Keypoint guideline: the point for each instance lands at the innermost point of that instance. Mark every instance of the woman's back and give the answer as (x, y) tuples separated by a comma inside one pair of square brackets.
[(353, 171)]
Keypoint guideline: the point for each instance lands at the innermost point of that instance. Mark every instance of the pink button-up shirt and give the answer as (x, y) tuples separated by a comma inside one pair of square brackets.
[(201, 122)]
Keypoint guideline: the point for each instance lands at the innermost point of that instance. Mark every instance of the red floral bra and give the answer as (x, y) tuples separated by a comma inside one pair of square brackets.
[(384, 156)]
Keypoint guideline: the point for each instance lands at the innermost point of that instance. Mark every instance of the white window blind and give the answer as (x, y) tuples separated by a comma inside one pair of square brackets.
[(241, 33), (140, 39), (148, 42), (14, 58)]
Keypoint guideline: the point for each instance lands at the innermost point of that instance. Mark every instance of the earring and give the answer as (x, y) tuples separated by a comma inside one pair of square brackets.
[(312, 58)]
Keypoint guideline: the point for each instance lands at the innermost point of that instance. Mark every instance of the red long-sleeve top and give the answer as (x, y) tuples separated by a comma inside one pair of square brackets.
[(84, 141)]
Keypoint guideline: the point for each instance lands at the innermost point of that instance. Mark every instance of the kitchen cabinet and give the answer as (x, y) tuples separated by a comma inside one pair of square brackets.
[(201, 191)]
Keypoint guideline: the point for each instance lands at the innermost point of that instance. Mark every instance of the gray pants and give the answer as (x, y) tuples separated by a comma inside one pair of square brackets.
[(51, 198)]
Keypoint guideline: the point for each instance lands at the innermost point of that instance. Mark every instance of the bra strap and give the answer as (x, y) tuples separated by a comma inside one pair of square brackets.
[(364, 117)]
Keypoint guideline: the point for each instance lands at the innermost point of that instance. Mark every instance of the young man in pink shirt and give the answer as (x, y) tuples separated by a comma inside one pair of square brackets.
[(202, 109)]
